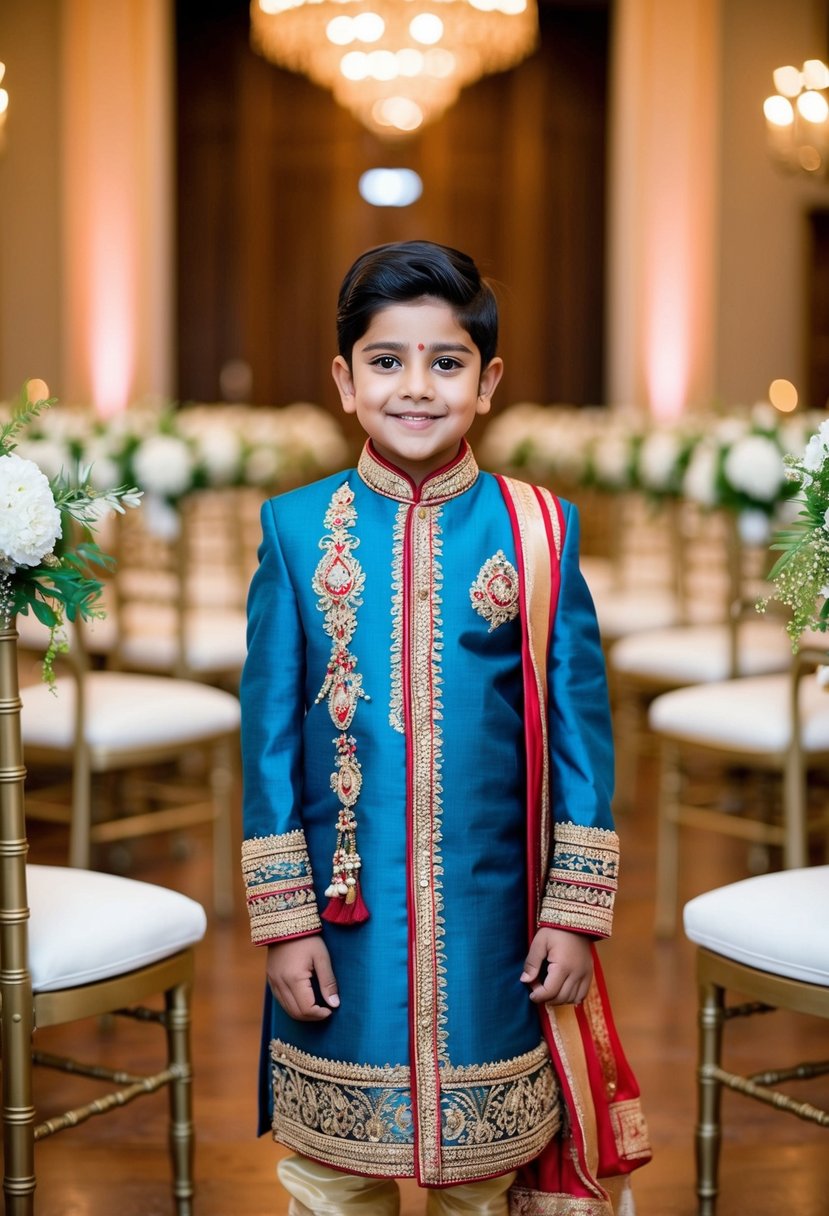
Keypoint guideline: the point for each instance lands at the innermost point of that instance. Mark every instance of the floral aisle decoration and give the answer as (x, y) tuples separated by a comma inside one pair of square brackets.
[(170, 452), (732, 461), (44, 569), (800, 575)]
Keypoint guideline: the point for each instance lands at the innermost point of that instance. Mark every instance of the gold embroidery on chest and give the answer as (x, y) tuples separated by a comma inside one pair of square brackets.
[(338, 583), (495, 592)]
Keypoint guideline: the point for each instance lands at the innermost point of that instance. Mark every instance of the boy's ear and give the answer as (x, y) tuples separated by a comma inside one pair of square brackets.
[(345, 384), (490, 377)]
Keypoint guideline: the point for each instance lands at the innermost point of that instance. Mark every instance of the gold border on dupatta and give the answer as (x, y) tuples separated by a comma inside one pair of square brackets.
[(538, 586)]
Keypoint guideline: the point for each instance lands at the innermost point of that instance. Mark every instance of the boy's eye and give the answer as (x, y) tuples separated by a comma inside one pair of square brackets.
[(386, 362), (446, 363)]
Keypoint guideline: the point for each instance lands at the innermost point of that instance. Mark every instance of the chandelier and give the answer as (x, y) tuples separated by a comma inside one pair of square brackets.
[(395, 64), (797, 117)]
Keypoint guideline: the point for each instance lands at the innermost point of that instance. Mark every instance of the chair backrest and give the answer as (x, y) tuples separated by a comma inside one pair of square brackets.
[(173, 563)]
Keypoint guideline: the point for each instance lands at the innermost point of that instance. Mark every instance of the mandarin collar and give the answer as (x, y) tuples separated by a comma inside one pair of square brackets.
[(447, 482)]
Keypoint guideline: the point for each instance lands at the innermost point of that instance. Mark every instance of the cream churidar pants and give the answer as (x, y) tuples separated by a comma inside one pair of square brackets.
[(317, 1190)]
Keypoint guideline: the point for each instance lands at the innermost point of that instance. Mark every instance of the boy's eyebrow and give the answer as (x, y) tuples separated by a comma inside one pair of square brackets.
[(434, 347)]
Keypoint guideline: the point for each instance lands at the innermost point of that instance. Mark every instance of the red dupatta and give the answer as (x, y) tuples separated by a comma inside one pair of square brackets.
[(603, 1135)]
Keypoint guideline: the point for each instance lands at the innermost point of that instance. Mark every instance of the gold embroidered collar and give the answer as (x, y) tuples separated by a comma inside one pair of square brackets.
[(450, 481)]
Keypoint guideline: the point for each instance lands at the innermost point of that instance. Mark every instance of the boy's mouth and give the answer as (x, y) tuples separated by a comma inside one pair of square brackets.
[(416, 418)]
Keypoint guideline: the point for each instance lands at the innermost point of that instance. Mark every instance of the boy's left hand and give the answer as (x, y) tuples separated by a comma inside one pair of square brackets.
[(569, 963)]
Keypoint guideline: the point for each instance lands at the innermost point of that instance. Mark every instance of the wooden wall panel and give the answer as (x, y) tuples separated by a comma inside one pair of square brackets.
[(270, 217)]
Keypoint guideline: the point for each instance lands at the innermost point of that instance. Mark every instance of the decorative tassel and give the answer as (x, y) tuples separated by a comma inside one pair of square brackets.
[(345, 902)]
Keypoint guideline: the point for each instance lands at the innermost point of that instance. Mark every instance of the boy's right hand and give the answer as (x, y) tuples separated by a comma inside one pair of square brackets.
[(291, 967)]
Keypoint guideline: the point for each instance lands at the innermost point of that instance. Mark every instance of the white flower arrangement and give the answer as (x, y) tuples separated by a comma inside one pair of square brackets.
[(732, 462), (170, 453), (800, 575), (43, 568), (30, 523)]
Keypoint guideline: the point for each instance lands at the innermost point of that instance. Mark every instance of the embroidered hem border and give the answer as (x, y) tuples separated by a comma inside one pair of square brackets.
[(524, 1202), (278, 883), (581, 884), (358, 1117)]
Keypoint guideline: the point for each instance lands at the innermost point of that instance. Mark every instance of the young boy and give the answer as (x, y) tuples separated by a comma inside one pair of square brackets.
[(424, 700)]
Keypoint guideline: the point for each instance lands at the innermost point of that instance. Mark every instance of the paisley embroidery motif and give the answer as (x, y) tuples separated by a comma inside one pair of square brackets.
[(338, 582), (494, 594)]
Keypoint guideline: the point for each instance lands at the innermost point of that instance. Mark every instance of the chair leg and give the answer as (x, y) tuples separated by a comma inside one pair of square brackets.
[(222, 782), (795, 849), (667, 845), (177, 1022), (80, 829), (18, 1111), (708, 1135)]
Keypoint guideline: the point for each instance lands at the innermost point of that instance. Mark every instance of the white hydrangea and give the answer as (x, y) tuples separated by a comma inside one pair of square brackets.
[(220, 452), (817, 449), (612, 457), (103, 469), (29, 520), (700, 481), (263, 464), (754, 528), (755, 466), (658, 459), (163, 465)]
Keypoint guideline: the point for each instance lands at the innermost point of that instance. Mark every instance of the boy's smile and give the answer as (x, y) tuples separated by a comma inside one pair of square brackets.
[(416, 384)]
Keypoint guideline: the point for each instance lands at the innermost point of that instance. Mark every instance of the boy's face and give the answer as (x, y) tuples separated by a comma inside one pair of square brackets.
[(416, 384)]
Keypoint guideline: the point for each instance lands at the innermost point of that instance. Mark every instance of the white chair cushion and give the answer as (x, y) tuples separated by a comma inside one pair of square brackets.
[(215, 640), (124, 709), (699, 654), (85, 926), (750, 714), (628, 611), (773, 922)]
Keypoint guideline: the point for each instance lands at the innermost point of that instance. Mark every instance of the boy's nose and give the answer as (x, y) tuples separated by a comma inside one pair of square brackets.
[(417, 384)]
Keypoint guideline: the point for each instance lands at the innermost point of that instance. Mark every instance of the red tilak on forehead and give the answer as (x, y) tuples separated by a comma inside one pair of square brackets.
[(420, 346)]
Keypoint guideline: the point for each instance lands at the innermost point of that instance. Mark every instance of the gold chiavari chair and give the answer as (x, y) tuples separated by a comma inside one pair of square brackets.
[(766, 726), (736, 642), (764, 938), (76, 944), (169, 746), (177, 597)]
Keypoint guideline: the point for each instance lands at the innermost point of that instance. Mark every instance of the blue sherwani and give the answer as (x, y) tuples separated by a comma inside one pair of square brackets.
[(383, 688)]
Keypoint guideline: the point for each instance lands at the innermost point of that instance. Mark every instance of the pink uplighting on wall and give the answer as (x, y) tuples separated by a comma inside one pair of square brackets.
[(668, 328), (112, 324)]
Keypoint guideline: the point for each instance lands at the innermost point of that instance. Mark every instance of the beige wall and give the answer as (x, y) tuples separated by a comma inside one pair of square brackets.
[(31, 285)]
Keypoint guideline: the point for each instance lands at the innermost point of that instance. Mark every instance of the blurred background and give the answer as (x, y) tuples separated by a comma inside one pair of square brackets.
[(176, 212)]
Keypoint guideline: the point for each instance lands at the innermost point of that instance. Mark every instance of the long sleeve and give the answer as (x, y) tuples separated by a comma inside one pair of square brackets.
[(582, 878), (275, 862)]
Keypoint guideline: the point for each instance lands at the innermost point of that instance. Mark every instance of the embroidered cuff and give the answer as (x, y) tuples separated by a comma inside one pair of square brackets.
[(581, 885), (279, 887)]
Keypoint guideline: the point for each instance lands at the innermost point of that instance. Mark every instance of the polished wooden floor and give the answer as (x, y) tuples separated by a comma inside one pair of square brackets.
[(117, 1166)]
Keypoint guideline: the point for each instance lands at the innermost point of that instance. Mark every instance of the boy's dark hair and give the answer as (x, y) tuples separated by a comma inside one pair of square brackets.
[(408, 270)]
